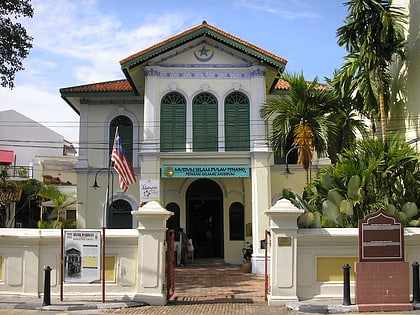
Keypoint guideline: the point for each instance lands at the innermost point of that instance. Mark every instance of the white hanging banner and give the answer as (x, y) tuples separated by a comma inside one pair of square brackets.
[(149, 190)]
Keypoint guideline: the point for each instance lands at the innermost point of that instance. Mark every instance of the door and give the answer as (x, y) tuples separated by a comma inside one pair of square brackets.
[(205, 218)]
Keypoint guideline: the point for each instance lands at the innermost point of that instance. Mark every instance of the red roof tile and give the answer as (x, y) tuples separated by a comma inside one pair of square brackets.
[(12, 196), (199, 27), (109, 86), (124, 86), (284, 85)]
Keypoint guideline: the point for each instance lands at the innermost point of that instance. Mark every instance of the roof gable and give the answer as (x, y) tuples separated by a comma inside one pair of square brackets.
[(203, 29), (203, 53)]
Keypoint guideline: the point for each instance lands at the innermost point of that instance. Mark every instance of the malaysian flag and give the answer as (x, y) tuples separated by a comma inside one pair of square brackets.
[(122, 164)]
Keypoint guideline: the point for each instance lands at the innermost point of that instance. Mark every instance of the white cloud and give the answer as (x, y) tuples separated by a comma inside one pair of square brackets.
[(97, 41), (286, 9)]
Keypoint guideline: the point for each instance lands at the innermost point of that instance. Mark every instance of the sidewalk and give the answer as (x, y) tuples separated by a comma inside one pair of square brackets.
[(33, 303), (215, 288)]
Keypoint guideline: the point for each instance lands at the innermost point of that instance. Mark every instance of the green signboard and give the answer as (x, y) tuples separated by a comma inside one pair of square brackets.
[(205, 171)]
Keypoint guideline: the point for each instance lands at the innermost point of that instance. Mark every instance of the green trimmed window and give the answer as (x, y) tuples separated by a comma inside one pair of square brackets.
[(125, 129), (172, 123), (205, 135), (236, 222), (120, 215), (237, 122)]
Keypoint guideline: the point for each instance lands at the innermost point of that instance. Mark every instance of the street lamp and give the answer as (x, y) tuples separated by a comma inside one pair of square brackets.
[(95, 185), (287, 170), (104, 216)]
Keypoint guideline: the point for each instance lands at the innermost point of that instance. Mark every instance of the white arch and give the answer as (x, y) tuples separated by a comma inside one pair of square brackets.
[(122, 111), (119, 195)]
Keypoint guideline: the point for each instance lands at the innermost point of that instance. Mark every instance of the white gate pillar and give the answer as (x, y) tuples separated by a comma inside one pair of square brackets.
[(151, 253), (283, 267)]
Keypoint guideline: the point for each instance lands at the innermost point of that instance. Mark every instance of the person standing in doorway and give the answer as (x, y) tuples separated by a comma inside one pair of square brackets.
[(184, 243)]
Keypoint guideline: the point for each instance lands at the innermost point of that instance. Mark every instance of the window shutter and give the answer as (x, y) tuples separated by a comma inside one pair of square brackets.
[(172, 123), (237, 124), (205, 135)]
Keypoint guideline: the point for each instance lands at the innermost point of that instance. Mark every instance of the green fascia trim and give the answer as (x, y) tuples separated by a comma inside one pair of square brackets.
[(212, 34), (279, 92), (97, 94)]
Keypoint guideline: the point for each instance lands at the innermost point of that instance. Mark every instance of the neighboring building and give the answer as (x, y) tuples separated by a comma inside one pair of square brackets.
[(31, 150), (404, 115)]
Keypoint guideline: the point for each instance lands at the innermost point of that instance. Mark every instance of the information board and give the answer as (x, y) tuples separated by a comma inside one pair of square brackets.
[(82, 256), (381, 238)]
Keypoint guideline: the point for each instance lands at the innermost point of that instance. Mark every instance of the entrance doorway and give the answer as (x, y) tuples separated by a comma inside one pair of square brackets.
[(204, 200)]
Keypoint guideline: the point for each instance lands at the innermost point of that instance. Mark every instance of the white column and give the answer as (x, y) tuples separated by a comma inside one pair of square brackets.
[(283, 269), (151, 118), (261, 201), (151, 253)]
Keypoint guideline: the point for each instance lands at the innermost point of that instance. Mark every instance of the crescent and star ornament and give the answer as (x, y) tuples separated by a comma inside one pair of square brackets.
[(203, 54)]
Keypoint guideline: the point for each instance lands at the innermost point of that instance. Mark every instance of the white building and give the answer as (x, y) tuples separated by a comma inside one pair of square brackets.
[(188, 115), (31, 150)]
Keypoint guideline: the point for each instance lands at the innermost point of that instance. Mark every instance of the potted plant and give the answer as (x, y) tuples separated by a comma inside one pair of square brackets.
[(246, 263)]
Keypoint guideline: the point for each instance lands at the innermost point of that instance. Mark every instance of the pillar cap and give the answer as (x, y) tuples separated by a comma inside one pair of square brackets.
[(152, 208), (284, 206)]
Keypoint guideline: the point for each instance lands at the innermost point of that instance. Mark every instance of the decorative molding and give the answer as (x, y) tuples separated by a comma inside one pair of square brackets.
[(205, 87), (204, 74), (236, 86), (138, 100)]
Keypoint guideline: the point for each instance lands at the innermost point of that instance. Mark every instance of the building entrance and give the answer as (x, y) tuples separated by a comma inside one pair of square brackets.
[(204, 200)]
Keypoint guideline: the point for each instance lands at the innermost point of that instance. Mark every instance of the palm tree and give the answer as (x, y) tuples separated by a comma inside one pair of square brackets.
[(373, 35), (299, 117), (348, 117), (57, 200)]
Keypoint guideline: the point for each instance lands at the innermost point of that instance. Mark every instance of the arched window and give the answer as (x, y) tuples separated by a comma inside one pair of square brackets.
[(174, 221), (236, 222), (120, 216), (172, 122), (125, 129), (205, 136), (237, 122)]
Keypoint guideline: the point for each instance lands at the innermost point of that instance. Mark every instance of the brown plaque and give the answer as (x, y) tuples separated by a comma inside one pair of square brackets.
[(381, 238), (284, 241)]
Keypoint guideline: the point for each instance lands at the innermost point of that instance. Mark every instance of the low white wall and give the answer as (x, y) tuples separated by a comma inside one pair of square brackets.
[(337, 243), (25, 252)]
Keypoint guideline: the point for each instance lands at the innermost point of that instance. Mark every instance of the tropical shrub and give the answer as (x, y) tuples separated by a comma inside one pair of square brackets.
[(371, 176)]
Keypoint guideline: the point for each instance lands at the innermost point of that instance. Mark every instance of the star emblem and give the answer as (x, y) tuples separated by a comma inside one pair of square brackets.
[(203, 51), (203, 54)]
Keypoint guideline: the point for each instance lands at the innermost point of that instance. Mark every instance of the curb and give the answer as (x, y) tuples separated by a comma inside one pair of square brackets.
[(71, 307), (321, 308)]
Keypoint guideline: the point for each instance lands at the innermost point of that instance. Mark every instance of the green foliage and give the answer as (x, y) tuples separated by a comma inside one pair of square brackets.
[(15, 42), (373, 36), (374, 175), (306, 105), (4, 173), (66, 224), (56, 200)]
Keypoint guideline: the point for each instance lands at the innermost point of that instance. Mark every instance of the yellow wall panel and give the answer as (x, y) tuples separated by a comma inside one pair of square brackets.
[(110, 268), (331, 268)]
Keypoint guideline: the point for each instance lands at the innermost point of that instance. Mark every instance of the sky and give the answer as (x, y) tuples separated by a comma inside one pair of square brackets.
[(82, 41)]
